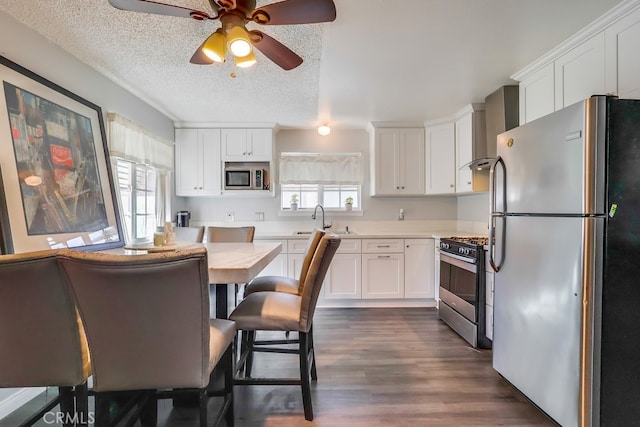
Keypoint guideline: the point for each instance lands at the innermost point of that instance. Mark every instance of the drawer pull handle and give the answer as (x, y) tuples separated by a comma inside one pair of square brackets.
[(384, 246), (384, 256)]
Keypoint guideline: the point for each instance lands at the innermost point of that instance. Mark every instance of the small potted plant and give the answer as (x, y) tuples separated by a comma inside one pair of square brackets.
[(348, 203), (294, 202)]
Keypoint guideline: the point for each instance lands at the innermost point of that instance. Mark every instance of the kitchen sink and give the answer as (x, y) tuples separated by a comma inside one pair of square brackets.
[(341, 232)]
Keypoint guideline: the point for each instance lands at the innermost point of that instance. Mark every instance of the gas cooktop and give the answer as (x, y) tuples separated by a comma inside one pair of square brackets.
[(473, 240)]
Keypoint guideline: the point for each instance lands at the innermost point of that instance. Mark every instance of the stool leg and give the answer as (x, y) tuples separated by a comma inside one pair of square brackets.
[(202, 400), (102, 406), (251, 337), (229, 368), (82, 403), (304, 376), (314, 372), (66, 404), (149, 410)]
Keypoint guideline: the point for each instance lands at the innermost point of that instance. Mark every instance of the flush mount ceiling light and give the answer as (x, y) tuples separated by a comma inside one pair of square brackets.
[(324, 130), (234, 15)]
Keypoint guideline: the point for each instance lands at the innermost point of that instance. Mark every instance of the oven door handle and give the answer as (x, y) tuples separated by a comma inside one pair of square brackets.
[(493, 214)]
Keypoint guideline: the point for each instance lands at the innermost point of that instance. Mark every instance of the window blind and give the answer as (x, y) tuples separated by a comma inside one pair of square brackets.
[(320, 168)]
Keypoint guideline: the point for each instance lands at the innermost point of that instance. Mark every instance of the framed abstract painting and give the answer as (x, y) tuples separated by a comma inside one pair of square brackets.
[(56, 186)]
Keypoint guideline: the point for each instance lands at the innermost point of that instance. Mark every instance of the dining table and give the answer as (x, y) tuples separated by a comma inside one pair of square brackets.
[(229, 264)]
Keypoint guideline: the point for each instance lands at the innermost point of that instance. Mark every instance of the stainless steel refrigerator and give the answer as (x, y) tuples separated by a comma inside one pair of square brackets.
[(565, 241)]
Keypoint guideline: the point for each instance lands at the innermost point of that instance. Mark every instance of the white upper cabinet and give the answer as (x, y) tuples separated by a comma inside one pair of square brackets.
[(397, 162), (247, 145), (471, 144), (580, 72), (600, 59), (197, 162), (440, 162), (537, 94), (623, 61)]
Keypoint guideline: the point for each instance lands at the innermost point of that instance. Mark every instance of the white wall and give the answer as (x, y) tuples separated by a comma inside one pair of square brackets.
[(385, 208), (34, 52)]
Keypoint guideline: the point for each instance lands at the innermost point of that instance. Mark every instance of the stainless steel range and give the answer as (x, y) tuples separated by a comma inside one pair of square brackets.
[(462, 290)]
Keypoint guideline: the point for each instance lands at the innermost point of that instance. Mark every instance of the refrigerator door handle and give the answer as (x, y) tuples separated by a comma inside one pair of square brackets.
[(493, 214)]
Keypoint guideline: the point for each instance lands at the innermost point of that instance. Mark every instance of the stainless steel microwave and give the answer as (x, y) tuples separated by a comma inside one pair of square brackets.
[(241, 178)]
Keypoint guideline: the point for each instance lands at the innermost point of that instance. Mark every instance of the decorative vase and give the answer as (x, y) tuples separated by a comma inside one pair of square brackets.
[(348, 206), (294, 206)]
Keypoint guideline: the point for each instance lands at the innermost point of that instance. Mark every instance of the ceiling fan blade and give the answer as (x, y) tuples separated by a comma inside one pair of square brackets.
[(215, 6), (156, 8), (295, 12), (199, 58), (275, 51)]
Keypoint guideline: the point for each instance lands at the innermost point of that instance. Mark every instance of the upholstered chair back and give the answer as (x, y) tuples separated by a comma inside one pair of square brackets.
[(146, 317), (42, 342), (312, 244), (317, 271), (189, 234), (230, 234)]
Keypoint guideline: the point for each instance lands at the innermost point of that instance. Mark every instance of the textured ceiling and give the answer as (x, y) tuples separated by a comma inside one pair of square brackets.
[(401, 60)]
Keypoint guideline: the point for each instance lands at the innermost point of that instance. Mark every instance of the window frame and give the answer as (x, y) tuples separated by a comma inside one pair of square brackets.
[(131, 214)]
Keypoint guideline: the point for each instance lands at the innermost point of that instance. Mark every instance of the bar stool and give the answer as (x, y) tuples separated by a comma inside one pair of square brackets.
[(280, 311), (42, 340), (148, 328)]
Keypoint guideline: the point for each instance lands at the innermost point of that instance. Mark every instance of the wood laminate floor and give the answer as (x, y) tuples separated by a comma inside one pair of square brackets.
[(380, 367)]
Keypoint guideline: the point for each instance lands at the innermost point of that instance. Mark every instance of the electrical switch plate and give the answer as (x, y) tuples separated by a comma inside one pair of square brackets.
[(231, 216), (259, 216)]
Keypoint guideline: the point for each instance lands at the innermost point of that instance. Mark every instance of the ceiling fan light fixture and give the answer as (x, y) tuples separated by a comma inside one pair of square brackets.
[(324, 130), (215, 47), (246, 61), (239, 43)]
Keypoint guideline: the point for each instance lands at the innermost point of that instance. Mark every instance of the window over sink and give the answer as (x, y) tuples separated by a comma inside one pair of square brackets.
[(333, 180)]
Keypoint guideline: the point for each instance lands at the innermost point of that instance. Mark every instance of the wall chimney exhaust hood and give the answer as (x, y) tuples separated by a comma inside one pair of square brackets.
[(501, 114)]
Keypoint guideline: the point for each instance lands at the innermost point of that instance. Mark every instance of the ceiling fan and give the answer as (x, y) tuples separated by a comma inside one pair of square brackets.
[(233, 34)]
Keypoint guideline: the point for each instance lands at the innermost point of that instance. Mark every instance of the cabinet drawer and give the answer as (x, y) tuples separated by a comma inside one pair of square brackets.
[(296, 246), (350, 246), (383, 246)]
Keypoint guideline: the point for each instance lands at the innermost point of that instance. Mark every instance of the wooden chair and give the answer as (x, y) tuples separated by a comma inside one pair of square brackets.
[(281, 311), (148, 329), (42, 339)]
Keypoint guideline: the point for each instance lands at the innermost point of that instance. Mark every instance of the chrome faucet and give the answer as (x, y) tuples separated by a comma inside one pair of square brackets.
[(313, 216)]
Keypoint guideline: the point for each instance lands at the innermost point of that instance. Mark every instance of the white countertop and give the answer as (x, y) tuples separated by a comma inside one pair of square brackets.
[(369, 235)]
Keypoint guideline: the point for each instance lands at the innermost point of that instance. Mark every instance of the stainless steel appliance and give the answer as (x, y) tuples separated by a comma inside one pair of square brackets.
[(565, 205), (244, 178), (182, 218), (462, 290)]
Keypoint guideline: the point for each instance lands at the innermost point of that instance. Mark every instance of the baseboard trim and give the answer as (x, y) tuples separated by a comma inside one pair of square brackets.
[(382, 303)]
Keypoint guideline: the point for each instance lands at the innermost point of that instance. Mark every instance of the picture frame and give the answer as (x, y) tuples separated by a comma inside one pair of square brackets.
[(56, 187)]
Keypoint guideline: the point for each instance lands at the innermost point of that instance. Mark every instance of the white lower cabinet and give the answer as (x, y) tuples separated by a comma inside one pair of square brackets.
[(382, 276), (418, 268), (344, 278)]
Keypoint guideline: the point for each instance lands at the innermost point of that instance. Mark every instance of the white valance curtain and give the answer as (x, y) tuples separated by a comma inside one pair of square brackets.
[(321, 168), (132, 142)]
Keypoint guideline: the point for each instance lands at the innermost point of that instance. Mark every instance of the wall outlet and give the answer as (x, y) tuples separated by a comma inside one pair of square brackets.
[(231, 216), (259, 216)]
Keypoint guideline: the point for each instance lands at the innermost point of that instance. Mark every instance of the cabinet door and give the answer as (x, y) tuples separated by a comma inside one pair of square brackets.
[(436, 270), (623, 62), (210, 161), (418, 268), (464, 152), (188, 163), (411, 169), (580, 72), (259, 145), (386, 154), (234, 145), (537, 95), (343, 279), (440, 162), (382, 276)]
